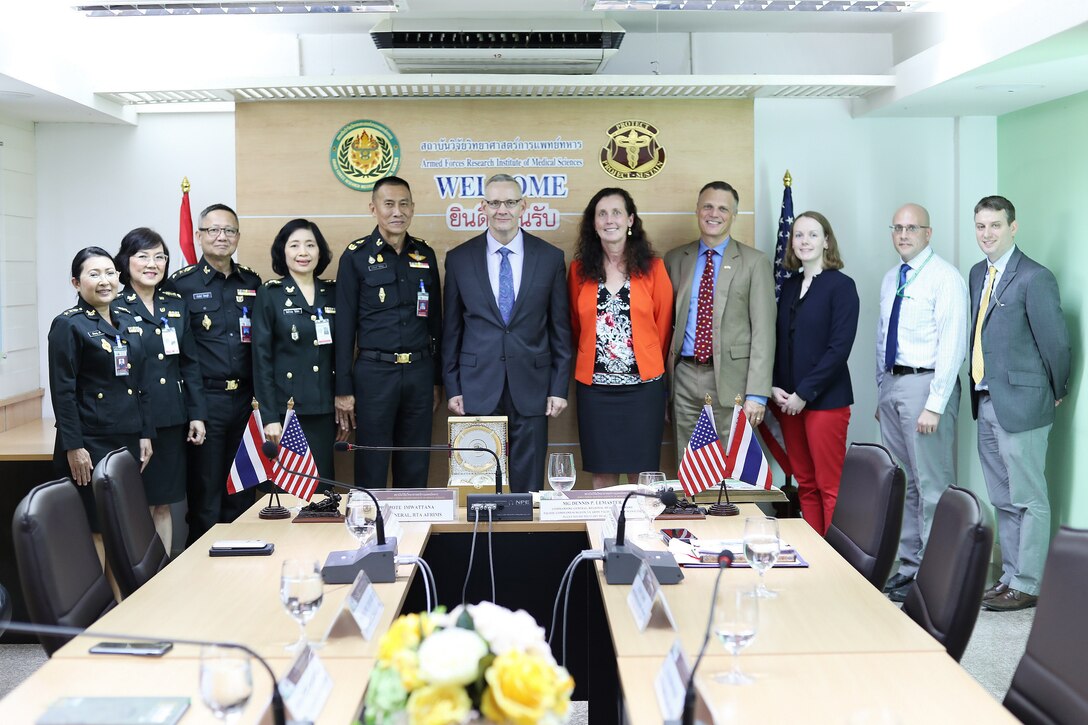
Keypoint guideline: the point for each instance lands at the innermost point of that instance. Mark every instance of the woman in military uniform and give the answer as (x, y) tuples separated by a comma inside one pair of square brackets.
[(292, 340), (97, 377), (173, 371)]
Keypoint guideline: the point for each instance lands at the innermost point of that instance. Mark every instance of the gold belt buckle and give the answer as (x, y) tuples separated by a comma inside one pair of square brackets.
[(403, 358), (232, 384)]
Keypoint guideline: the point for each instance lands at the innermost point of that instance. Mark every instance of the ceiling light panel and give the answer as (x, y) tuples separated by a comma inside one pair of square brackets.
[(254, 7)]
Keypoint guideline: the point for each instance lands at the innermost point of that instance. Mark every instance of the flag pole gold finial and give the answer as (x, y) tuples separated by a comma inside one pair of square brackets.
[(185, 185), (787, 180), (738, 400), (708, 400), (255, 404), (291, 403)]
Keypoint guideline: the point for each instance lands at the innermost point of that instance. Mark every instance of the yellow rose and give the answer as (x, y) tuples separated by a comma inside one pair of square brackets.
[(438, 705), (403, 634), (406, 663), (525, 689)]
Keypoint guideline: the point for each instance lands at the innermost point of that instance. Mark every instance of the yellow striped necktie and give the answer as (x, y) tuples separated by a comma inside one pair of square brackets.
[(977, 365)]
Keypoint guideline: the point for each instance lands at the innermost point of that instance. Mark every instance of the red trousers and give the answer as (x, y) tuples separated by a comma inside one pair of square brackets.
[(816, 446)]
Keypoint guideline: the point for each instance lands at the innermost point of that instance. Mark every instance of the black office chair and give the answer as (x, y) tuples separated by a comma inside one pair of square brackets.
[(1051, 682), (5, 608), (62, 577), (945, 596), (133, 547), (869, 512)]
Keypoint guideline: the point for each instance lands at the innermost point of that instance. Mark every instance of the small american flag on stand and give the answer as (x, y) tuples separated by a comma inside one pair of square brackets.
[(703, 464), (294, 454)]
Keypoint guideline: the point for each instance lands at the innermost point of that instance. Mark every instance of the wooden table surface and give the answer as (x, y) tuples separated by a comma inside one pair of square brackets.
[(31, 441)]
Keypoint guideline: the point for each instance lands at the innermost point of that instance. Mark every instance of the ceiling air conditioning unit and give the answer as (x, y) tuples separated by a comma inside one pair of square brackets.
[(501, 46)]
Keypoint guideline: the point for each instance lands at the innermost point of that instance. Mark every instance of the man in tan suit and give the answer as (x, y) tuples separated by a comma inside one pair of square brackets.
[(724, 346)]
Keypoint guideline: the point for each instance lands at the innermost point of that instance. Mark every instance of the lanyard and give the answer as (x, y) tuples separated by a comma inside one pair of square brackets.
[(910, 279)]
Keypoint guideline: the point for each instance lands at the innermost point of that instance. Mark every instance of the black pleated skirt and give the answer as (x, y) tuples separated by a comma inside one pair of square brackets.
[(620, 426)]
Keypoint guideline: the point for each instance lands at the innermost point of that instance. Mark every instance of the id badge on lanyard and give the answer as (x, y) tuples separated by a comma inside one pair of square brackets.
[(423, 301), (169, 338), (323, 329), (120, 358), (245, 326)]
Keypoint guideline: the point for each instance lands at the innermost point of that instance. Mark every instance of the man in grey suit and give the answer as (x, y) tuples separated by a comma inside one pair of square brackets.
[(506, 335), (1019, 372)]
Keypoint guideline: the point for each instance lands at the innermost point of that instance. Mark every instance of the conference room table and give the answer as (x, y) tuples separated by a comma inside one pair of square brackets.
[(830, 647)]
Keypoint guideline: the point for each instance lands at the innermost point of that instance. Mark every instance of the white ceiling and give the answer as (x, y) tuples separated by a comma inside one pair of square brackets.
[(962, 57)]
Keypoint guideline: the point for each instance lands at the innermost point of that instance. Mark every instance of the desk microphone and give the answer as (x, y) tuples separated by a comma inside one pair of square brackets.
[(622, 561), (341, 567), (278, 717), (725, 560), (503, 506)]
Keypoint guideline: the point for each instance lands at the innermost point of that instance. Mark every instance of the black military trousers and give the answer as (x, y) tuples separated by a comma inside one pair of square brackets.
[(393, 406), (209, 464)]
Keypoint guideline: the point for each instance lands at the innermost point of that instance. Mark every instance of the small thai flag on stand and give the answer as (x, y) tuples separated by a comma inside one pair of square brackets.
[(743, 455), (250, 466)]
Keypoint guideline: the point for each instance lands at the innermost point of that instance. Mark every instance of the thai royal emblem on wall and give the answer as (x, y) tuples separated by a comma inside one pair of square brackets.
[(363, 152), (632, 151)]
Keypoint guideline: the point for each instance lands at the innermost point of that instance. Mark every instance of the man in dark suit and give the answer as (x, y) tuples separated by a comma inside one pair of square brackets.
[(506, 334), (1019, 372)]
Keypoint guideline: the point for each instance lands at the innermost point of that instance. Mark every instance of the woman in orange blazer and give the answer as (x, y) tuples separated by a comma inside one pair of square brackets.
[(621, 317)]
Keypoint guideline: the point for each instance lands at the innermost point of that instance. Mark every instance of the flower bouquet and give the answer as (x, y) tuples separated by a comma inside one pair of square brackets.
[(480, 663)]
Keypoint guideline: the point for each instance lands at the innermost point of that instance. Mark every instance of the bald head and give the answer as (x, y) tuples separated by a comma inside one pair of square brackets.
[(910, 231)]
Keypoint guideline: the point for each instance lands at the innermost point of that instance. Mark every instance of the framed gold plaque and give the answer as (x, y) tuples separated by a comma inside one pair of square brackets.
[(475, 472)]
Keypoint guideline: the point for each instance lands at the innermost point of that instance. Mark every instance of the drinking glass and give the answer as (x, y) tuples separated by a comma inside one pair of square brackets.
[(761, 547), (651, 482), (226, 681), (561, 472), (736, 618), (301, 591), (360, 517)]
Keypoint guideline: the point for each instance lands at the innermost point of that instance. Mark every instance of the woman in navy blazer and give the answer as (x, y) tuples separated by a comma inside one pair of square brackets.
[(817, 321)]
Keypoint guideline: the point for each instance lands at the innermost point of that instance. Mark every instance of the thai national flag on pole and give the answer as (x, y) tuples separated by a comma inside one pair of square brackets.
[(704, 462), (250, 465), (744, 457), (295, 454)]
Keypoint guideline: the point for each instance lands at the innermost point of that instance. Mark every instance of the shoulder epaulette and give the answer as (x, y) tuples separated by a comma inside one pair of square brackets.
[(70, 311), (183, 271), (273, 283), (422, 242), (119, 308), (355, 244), (246, 269), (168, 293), (327, 281)]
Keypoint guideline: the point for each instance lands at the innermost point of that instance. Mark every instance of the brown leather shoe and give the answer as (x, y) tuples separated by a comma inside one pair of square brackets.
[(1010, 601), (995, 591)]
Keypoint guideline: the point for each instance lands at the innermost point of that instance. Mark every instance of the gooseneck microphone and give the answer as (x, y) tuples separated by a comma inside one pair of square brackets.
[(378, 559), (622, 561), (725, 560), (278, 716), (345, 446)]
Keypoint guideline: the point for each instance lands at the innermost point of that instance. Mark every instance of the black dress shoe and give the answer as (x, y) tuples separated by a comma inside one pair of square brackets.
[(995, 591), (900, 595), (898, 581), (1010, 601)]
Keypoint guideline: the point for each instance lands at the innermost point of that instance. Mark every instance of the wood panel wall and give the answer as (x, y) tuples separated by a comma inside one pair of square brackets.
[(283, 172)]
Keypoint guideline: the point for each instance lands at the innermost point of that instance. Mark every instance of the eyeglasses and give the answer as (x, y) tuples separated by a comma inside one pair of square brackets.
[(496, 204), (909, 228), (213, 232), (145, 258)]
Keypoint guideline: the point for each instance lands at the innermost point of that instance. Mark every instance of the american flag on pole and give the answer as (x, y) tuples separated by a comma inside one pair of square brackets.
[(744, 457), (785, 221), (295, 454), (704, 462), (250, 466)]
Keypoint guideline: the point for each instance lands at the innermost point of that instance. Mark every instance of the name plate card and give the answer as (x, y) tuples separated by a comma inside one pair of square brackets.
[(419, 504), (580, 506), (671, 682), (306, 686), (364, 606), (645, 597), (393, 529)]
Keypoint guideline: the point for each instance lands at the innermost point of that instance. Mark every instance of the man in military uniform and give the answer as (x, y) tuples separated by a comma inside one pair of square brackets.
[(220, 296), (389, 307)]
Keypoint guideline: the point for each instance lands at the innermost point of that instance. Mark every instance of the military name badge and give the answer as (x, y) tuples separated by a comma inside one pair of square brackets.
[(419, 265), (363, 152), (136, 329), (633, 151)]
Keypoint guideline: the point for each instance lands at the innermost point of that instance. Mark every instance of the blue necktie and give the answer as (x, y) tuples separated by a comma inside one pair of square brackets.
[(891, 345), (506, 286)]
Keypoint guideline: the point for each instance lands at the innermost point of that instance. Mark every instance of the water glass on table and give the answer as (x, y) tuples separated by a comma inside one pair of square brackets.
[(226, 681), (360, 516), (761, 547), (651, 482), (736, 619), (561, 473), (301, 591)]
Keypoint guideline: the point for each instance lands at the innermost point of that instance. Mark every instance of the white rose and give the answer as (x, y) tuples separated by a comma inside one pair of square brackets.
[(505, 630), (451, 657)]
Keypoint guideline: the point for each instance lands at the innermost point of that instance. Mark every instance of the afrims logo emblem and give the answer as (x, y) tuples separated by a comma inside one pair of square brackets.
[(632, 151), (362, 153)]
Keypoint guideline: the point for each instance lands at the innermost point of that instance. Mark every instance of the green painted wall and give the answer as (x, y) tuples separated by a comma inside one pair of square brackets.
[(1042, 165)]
